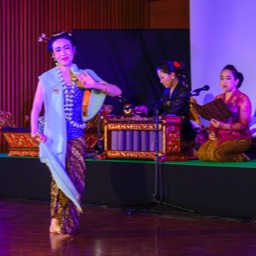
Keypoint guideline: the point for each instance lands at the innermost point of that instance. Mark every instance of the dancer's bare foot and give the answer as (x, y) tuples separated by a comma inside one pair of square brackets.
[(55, 227), (58, 241)]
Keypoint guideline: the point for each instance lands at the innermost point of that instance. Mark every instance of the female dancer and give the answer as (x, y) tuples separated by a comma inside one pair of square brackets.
[(62, 143)]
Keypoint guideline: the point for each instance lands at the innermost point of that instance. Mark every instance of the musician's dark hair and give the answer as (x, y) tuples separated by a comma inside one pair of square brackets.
[(57, 36), (237, 75), (177, 67)]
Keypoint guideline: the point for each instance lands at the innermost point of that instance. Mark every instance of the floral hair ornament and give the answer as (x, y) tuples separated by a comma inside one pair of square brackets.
[(58, 34), (176, 64), (179, 65), (43, 38)]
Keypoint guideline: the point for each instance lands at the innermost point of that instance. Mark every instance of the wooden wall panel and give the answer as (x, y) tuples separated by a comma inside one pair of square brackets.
[(169, 14)]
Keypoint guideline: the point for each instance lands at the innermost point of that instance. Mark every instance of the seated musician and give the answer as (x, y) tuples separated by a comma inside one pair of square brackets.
[(176, 100), (228, 140)]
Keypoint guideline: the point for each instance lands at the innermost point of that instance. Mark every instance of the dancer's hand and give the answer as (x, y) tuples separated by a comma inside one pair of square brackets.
[(39, 137), (87, 81)]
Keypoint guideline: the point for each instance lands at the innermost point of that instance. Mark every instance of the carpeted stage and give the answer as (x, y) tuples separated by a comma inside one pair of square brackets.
[(222, 189)]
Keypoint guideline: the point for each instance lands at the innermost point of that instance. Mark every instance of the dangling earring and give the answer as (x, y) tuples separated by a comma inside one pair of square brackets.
[(172, 75), (54, 59)]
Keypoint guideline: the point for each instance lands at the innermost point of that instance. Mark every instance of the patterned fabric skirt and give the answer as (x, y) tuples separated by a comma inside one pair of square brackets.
[(62, 208), (227, 151)]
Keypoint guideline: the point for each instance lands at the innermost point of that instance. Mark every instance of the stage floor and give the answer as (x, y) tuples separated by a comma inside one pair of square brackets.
[(222, 189), (105, 231)]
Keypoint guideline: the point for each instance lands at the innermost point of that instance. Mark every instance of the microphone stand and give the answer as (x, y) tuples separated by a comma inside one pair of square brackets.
[(156, 197)]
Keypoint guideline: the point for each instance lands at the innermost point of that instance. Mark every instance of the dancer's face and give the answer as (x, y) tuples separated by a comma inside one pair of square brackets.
[(63, 52)]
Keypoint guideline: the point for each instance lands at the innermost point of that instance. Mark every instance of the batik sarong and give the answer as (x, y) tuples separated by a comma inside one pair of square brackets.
[(62, 208), (227, 151)]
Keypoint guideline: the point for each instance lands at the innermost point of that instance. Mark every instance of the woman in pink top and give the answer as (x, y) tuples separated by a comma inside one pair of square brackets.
[(228, 140)]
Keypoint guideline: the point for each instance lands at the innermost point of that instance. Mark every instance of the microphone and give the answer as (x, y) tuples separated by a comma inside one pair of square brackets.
[(204, 88)]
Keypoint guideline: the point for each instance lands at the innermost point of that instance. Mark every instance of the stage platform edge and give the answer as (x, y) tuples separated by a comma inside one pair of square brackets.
[(221, 189)]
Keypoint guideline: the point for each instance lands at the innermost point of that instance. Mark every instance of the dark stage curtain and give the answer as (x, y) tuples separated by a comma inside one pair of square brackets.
[(128, 58)]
